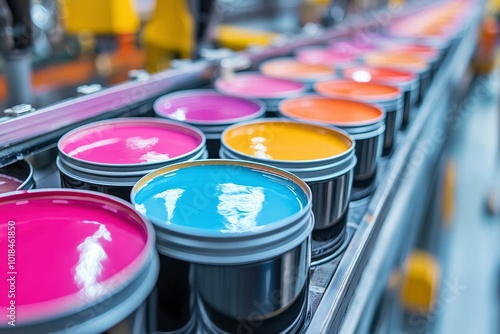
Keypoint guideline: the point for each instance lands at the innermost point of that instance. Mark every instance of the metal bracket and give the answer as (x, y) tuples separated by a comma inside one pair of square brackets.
[(88, 89), (18, 110)]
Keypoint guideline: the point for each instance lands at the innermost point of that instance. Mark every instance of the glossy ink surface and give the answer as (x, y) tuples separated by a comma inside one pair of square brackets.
[(223, 198), (364, 91), (206, 107), (129, 143), (332, 111), (295, 70), (9, 183), (287, 141), (69, 251), (258, 86)]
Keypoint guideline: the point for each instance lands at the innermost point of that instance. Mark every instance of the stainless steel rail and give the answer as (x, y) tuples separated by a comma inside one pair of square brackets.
[(337, 305)]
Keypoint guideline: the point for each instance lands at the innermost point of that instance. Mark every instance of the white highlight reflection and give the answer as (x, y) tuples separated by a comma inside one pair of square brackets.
[(240, 206), (138, 143), (259, 147), (171, 197), (362, 76), (141, 208), (179, 114), (99, 143), (154, 157), (89, 266)]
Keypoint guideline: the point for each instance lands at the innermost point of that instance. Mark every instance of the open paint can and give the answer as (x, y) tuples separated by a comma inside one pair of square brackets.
[(245, 231), (111, 156), (84, 263), (294, 69), (406, 62), (209, 111), (428, 53), (389, 98), (405, 80), (322, 157), (254, 85), (429, 57), (16, 176), (364, 122)]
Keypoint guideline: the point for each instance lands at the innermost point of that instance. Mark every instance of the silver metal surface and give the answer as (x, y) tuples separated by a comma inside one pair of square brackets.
[(393, 122), (17, 70), (330, 200), (337, 306), (369, 148), (21, 170), (267, 287), (406, 107), (88, 89), (18, 110)]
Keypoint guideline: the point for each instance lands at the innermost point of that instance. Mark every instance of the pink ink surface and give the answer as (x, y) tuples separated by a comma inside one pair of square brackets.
[(325, 56), (8, 183), (126, 142), (69, 250), (258, 86), (206, 107)]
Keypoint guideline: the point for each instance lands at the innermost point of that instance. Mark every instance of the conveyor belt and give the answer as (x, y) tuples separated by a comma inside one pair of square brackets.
[(386, 213)]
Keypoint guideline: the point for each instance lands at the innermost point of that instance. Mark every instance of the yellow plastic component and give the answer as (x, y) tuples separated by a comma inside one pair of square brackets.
[(448, 208), (100, 17), (396, 2), (485, 54), (170, 33), (494, 7), (238, 38), (420, 281), (320, 2)]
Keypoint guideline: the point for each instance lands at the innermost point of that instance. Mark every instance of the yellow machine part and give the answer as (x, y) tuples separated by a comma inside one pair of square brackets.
[(494, 7), (449, 186), (99, 17), (396, 2), (486, 51), (420, 282), (169, 33), (239, 38)]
